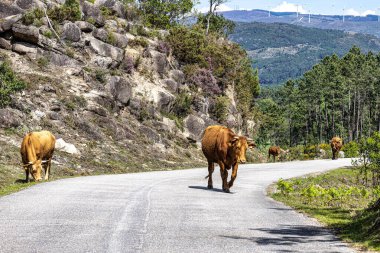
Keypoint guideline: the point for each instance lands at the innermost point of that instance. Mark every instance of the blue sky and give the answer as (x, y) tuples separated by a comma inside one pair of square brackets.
[(348, 7)]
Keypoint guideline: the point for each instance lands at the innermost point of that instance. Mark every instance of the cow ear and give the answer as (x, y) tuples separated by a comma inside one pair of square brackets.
[(234, 139)]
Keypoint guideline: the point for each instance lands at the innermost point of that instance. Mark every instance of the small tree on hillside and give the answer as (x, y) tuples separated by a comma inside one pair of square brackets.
[(164, 13), (213, 5)]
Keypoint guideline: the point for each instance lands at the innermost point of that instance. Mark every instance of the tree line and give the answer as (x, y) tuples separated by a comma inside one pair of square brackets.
[(337, 97)]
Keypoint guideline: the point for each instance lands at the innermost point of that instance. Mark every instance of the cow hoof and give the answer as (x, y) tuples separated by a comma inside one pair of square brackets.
[(210, 187), (226, 190)]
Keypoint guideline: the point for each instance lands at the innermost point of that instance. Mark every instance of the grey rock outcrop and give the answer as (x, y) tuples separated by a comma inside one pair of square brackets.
[(120, 89), (10, 118), (85, 26), (6, 44), (105, 49), (7, 23), (71, 32), (26, 33)]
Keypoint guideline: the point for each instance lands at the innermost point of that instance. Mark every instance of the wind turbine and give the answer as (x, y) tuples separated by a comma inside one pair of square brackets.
[(343, 15)]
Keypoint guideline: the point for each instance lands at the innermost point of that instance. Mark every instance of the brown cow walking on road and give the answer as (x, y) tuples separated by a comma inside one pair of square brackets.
[(37, 149), (336, 144), (276, 151), (222, 146)]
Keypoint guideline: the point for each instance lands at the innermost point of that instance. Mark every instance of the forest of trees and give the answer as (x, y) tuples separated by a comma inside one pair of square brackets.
[(337, 97)]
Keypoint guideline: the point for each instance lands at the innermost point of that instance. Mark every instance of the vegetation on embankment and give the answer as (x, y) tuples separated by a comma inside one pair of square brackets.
[(337, 199), (347, 199)]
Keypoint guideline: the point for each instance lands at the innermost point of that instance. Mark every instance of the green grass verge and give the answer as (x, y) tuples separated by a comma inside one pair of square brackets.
[(340, 200)]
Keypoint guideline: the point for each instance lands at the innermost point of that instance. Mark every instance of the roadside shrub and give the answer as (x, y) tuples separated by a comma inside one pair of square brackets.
[(311, 151), (285, 187), (296, 153), (220, 110), (351, 149), (9, 84)]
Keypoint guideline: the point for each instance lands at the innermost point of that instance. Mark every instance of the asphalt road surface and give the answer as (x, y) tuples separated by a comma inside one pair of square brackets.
[(169, 211)]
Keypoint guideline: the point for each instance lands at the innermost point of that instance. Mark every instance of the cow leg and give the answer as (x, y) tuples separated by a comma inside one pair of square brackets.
[(27, 175), (233, 175), (210, 171), (224, 175), (47, 169)]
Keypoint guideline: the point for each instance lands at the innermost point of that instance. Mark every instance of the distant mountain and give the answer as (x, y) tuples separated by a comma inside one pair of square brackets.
[(284, 51), (368, 24)]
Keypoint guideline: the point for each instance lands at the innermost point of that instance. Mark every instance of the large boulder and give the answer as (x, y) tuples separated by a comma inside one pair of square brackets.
[(160, 62), (121, 41), (71, 32), (24, 48), (177, 75), (26, 33), (85, 26), (100, 34), (105, 49), (10, 118), (150, 134), (61, 145), (7, 23), (93, 12), (194, 126), (120, 89), (7, 10), (166, 101), (6, 44)]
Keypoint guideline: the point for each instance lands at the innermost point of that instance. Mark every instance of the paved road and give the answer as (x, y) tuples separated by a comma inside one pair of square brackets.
[(163, 212)]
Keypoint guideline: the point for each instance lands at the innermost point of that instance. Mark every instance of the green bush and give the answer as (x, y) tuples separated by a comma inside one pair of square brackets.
[(9, 84), (182, 104), (296, 153), (32, 16), (138, 42), (285, 187), (70, 10), (351, 149), (221, 108)]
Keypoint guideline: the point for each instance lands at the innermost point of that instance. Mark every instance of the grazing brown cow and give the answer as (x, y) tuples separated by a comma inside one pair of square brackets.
[(36, 152), (222, 146), (276, 151), (336, 144)]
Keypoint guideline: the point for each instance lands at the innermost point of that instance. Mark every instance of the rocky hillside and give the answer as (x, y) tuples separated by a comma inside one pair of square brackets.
[(105, 85)]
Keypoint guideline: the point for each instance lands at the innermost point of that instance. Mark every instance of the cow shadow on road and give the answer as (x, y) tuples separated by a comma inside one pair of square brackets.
[(288, 235), (207, 189)]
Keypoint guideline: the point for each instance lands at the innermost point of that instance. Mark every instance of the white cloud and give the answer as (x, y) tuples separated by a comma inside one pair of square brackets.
[(221, 8), (288, 7), (353, 12)]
